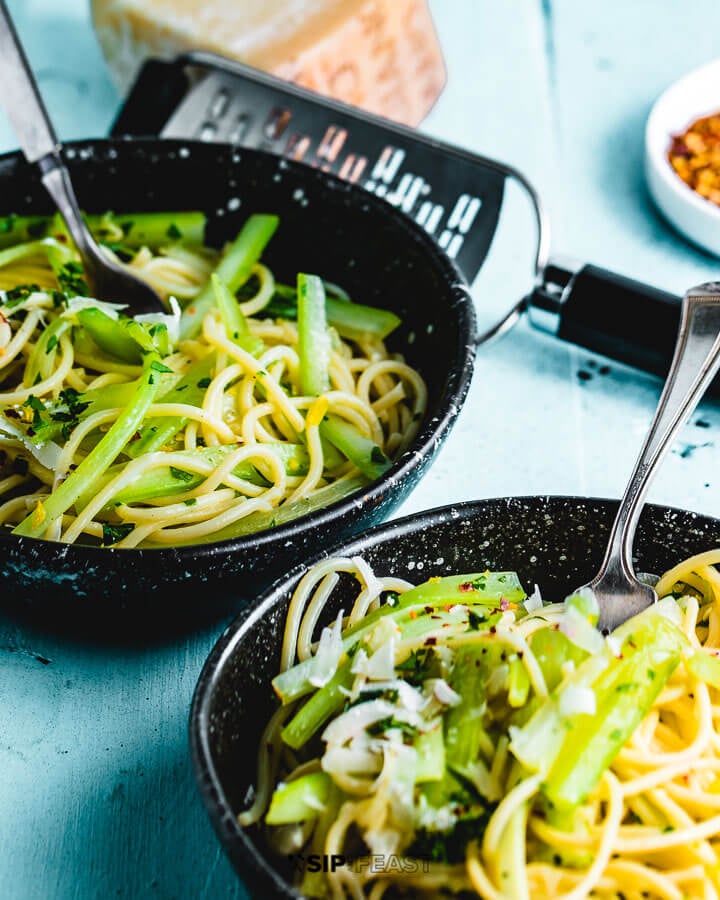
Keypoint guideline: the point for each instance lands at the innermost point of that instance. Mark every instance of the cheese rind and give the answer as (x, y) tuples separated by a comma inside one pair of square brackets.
[(381, 55)]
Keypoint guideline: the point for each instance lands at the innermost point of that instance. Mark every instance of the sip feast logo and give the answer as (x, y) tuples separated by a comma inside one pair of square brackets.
[(374, 865), (317, 862)]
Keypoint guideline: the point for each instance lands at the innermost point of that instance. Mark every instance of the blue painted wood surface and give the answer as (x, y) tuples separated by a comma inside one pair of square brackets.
[(96, 790)]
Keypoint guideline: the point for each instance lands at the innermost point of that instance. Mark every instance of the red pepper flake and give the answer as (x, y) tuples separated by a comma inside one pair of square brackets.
[(412, 614), (429, 609), (466, 587), (430, 642)]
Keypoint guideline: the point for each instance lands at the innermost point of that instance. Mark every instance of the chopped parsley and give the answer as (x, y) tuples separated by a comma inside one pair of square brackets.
[(114, 533), (70, 278), (17, 295), (475, 620), (416, 667), (181, 475), (159, 366)]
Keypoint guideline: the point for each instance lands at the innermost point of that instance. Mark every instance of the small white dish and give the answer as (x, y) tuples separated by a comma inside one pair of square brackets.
[(695, 95)]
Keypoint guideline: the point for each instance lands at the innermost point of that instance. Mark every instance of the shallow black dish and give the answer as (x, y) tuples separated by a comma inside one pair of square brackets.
[(326, 226), (556, 542)]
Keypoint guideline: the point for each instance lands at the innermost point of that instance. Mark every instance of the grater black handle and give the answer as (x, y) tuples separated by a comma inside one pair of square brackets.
[(609, 314), (156, 93)]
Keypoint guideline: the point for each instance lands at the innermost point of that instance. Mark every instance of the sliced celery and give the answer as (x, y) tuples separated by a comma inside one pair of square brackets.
[(313, 338), (411, 613), (325, 702), (300, 799), (165, 481), (96, 462), (360, 450), (110, 335), (236, 326), (573, 750), (233, 270), (148, 229), (353, 321), (190, 389), (430, 748), (286, 513), (42, 359)]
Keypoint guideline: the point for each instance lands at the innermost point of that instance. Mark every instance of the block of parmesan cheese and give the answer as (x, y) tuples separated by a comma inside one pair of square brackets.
[(381, 55)]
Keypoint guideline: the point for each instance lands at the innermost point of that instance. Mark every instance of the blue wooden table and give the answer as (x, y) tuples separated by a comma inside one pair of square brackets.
[(96, 790)]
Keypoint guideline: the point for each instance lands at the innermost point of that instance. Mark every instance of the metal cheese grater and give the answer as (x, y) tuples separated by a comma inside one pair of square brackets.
[(455, 195)]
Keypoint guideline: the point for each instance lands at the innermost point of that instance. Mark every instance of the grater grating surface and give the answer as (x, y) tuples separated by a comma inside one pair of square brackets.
[(456, 196)]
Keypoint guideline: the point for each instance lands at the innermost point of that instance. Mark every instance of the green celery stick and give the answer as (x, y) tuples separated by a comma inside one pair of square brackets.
[(22, 229), (353, 321), (300, 799), (97, 461), (482, 590), (705, 667), (165, 481), (430, 748), (553, 649), (123, 337), (357, 322), (321, 498), (313, 338), (487, 588), (41, 362), (233, 270), (360, 450), (325, 702), (573, 751), (519, 687), (190, 389), (110, 335), (314, 883), (63, 414), (236, 326), (153, 230), (463, 723)]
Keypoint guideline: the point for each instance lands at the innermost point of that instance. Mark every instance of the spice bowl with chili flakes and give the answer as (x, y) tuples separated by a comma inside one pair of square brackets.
[(682, 156)]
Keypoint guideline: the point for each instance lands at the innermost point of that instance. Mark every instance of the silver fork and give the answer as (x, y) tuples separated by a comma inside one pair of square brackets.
[(23, 104), (619, 592)]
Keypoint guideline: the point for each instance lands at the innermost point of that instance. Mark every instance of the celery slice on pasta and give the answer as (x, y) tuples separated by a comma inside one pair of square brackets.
[(233, 269), (313, 338), (97, 461), (572, 750), (302, 798)]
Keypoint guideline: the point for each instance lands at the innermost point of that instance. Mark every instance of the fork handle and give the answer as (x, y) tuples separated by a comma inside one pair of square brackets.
[(695, 362), (20, 96)]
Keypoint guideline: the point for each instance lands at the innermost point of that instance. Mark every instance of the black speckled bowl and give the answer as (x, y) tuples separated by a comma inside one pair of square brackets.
[(556, 542), (328, 227)]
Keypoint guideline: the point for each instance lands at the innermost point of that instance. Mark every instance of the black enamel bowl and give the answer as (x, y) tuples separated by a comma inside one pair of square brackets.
[(556, 542), (327, 227)]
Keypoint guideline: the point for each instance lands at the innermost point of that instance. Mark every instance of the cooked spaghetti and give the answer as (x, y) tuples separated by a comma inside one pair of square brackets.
[(460, 736), (249, 403)]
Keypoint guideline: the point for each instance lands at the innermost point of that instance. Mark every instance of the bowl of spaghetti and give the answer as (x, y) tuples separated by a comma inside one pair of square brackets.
[(315, 351), (430, 708)]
